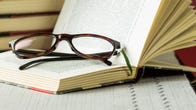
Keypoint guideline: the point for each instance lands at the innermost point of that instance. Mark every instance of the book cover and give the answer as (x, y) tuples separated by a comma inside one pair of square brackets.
[(187, 57)]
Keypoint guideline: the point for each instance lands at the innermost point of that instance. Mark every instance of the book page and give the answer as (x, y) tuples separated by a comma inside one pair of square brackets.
[(127, 21), (54, 69), (182, 19), (168, 61)]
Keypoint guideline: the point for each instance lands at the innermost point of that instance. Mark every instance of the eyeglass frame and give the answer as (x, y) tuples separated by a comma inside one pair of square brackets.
[(69, 38)]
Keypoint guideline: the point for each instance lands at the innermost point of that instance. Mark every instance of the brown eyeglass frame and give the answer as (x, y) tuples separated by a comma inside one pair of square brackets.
[(68, 37)]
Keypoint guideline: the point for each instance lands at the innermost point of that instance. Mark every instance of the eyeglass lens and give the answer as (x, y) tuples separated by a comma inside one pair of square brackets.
[(91, 45), (37, 44)]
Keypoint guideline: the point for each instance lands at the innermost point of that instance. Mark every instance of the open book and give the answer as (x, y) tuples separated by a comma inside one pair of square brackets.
[(147, 29)]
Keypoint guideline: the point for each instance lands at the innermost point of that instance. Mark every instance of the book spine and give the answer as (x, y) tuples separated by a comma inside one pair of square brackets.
[(14, 33), (29, 6), (2, 16), (28, 22)]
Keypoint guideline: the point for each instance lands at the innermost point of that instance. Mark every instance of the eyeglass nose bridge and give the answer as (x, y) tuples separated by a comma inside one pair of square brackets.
[(66, 37)]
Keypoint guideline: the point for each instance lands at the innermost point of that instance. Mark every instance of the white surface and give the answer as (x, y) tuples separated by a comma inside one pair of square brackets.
[(166, 93)]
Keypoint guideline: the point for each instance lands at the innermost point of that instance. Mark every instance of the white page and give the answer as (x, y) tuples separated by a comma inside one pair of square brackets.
[(54, 69), (127, 21)]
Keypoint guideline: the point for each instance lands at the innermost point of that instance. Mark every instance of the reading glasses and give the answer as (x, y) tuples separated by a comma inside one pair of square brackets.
[(84, 46)]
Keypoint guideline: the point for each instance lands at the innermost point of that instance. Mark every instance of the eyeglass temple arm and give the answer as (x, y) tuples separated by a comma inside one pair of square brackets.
[(74, 55), (63, 54), (47, 60), (57, 59), (117, 44)]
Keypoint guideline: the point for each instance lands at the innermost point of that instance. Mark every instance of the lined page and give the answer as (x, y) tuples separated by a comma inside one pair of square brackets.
[(127, 21)]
